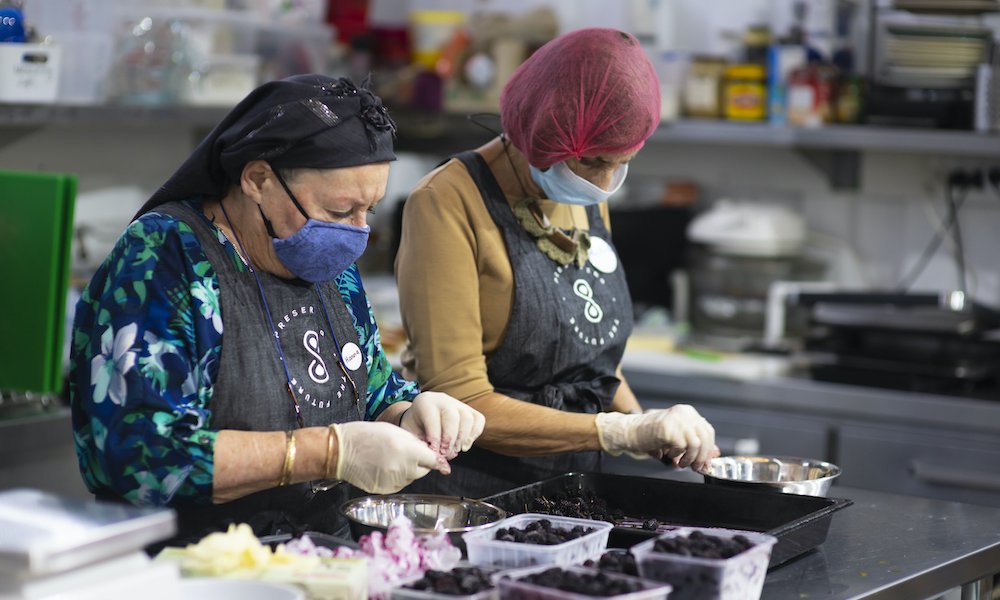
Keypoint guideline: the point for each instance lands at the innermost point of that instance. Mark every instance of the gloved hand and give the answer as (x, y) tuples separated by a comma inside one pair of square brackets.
[(678, 432), (380, 458), (449, 426)]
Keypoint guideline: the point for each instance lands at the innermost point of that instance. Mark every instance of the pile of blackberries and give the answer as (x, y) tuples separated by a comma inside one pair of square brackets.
[(615, 561), (703, 545), (460, 581), (541, 532), (581, 504), (588, 584)]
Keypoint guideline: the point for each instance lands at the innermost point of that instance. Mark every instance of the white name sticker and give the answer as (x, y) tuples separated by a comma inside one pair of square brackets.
[(351, 355), (602, 256)]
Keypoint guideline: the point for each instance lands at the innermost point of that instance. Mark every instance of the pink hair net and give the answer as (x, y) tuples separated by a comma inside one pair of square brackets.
[(585, 93)]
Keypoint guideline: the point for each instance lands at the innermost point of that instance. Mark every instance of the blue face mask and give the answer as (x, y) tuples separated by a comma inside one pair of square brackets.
[(319, 251), (563, 185)]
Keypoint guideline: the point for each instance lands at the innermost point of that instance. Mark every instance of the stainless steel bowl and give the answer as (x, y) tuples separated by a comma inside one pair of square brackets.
[(427, 512), (787, 474)]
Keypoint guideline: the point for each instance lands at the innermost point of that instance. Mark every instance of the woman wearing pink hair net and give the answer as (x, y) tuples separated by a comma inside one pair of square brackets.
[(512, 295)]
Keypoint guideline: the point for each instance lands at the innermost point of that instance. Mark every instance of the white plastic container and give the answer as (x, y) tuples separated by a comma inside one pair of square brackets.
[(404, 593), (85, 66), (29, 72), (222, 80), (484, 549), (290, 50), (159, 49), (511, 587), (740, 577)]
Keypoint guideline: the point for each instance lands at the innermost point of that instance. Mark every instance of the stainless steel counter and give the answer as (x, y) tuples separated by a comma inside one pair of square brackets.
[(883, 546), (820, 398), (36, 450), (887, 546)]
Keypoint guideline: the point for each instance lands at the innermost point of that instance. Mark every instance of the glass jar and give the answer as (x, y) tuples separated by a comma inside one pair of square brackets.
[(756, 40), (745, 93), (702, 87), (811, 95)]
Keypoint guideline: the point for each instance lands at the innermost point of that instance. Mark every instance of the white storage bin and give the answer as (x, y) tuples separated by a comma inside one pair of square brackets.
[(289, 50), (158, 49), (484, 549), (222, 80), (740, 577), (52, 17), (29, 72), (85, 67), (512, 588)]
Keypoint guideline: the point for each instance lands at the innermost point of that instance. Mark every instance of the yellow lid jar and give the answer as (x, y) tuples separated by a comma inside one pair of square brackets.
[(744, 93)]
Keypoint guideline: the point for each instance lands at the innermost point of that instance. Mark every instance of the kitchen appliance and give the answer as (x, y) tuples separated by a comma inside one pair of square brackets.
[(926, 342), (740, 249)]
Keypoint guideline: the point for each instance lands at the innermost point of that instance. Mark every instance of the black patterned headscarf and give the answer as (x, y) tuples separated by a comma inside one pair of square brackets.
[(304, 121)]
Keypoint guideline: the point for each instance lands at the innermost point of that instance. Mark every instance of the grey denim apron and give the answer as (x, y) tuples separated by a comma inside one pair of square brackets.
[(250, 393), (564, 340)]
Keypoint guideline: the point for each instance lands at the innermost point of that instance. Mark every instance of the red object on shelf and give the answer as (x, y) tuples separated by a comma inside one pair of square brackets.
[(349, 17)]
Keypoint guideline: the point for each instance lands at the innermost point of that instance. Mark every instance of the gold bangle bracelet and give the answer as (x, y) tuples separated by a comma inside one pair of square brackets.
[(330, 433), (286, 470)]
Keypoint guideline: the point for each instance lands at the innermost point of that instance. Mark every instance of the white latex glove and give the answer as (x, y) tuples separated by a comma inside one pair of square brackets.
[(449, 426), (678, 432), (380, 458)]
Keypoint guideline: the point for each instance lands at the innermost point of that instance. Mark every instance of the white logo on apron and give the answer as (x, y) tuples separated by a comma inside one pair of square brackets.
[(591, 309), (602, 256), (351, 355), (317, 368)]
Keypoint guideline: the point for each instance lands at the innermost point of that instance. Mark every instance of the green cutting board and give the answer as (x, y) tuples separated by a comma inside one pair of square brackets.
[(36, 229)]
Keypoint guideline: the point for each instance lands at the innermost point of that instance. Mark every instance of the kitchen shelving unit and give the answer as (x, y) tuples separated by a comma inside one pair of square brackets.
[(834, 149)]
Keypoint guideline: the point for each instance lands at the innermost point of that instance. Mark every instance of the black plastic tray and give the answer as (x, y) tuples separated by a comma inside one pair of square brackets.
[(799, 522)]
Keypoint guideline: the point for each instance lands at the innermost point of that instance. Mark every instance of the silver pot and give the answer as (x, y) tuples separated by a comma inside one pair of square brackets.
[(786, 474)]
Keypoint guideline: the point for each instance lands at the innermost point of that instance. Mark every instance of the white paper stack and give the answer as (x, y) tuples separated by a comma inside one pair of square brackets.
[(57, 548)]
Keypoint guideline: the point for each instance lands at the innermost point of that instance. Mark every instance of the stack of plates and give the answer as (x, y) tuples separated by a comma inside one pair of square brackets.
[(934, 55)]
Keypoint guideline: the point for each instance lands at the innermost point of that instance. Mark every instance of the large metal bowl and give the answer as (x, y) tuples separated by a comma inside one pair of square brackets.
[(428, 513), (786, 474)]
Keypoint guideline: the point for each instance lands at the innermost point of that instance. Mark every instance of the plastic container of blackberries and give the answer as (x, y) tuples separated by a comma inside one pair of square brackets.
[(458, 590), (739, 577), (513, 585), (483, 548)]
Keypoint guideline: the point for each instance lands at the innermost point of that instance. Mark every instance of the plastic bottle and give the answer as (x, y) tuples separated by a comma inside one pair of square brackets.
[(11, 22)]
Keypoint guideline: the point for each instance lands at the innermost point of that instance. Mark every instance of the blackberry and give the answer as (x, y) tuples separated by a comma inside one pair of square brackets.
[(615, 561), (589, 584), (703, 545), (541, 533), (460, 581)]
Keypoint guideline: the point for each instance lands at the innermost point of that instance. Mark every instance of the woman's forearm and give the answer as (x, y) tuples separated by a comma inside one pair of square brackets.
[(251, 461), (625, 400), (519, 428)]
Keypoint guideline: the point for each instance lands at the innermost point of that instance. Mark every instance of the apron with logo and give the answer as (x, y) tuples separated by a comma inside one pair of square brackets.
[(250, 392), (563, 343)]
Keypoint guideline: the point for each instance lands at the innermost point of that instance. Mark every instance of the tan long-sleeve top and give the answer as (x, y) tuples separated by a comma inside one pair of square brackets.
[(454, 275)]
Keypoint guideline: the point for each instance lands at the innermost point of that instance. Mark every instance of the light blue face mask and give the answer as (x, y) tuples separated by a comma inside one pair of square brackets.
[(563, 185)]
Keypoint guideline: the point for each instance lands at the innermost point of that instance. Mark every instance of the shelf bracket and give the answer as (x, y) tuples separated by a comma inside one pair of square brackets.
[(841, 167)]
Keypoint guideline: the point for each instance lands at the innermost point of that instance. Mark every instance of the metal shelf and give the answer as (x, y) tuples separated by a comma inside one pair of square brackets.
[(40, 115), (834, 137), (835, 149)]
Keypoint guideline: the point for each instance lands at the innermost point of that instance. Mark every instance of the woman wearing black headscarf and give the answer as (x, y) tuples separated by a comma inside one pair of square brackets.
[(225, 359)]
